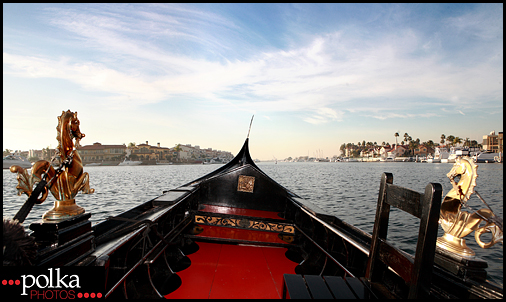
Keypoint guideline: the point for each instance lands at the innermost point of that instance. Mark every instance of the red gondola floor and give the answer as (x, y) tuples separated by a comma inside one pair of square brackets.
[(226, 271)]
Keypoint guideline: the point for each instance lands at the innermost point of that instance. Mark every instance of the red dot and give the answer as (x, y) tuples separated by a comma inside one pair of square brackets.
[(86, 295), (92, 295), (99, 295), (11, 282), (17, 282), (4, 282), (79, 295)]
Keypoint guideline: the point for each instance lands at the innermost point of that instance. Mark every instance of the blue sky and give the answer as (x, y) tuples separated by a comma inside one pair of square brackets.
[(314, 75)]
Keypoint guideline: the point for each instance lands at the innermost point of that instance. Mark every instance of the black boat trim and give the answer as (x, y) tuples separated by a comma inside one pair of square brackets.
[(346, 237), (174, 233), (346, 271)]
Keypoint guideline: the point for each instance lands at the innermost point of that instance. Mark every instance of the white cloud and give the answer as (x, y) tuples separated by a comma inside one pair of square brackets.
[(332, 71), (323, 115)]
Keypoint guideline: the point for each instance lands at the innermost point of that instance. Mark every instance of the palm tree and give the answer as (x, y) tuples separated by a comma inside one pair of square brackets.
[(408, 141), (348, 148), (443, 139), (457, 140), (413, 144), (345, 149), (396, 136), (343, 146), (429, 144), (177, 148), (450, 139), (474, 143), (406, 138)]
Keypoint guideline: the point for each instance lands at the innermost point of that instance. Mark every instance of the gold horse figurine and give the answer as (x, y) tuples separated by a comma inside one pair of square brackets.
[(457, 223), (65, 185)]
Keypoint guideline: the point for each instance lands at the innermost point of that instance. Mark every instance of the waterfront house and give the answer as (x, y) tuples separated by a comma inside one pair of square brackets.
[(146, 152), (493, 142), (396, 151), (101, 153), (348, 152), (195, 153), (371, 152), (46, 154), (399, 150), (423, 150)]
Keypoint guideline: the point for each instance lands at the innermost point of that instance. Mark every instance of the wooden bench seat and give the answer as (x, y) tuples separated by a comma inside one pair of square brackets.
[(390, 272), (415, 272), (324, 287)]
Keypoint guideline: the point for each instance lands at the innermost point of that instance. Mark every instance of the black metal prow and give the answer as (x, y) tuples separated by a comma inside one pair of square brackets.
[(250, 125)]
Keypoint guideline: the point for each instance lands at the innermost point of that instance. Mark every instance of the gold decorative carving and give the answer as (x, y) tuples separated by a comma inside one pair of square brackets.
[(246, 183), (64, 185), (286, 238), (26, 182), (244, 223), (457, 223)]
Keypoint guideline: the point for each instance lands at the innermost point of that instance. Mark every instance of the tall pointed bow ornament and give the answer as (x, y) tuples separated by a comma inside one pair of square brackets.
[(457, 223), (67, 180)]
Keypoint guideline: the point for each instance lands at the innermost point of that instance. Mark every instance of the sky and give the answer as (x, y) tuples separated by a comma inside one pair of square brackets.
[(314, 76)]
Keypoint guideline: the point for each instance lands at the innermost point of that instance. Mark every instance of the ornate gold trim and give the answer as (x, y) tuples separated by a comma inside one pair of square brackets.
[(244, 223)]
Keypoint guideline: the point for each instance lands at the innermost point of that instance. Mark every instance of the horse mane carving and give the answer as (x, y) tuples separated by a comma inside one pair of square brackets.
[(70, 181)]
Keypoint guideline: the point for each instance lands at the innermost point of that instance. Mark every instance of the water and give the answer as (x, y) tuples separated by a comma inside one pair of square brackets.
[(346, 190)]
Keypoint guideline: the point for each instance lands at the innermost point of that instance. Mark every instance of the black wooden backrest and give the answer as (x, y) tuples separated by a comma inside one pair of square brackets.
[(426, 206)]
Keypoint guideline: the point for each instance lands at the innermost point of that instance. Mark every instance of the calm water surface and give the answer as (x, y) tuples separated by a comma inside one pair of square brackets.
[(347, 190)]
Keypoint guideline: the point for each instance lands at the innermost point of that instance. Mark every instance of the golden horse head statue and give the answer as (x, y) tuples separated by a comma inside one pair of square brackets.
[(64, 184), (67, 131), (458, 223)]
